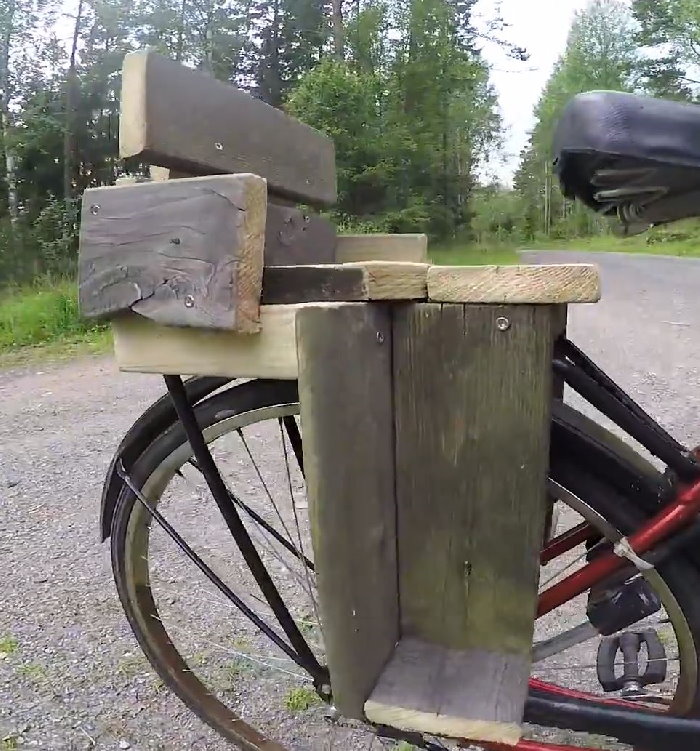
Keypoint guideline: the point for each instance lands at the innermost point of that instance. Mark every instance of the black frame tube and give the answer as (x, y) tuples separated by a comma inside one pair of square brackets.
[(218, 489)]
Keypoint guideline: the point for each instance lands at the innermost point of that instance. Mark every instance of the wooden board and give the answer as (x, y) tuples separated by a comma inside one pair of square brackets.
[(412, 248), (373, 280), (561, 283), (182, 252), (294, 236), (177, 117), (141, 346), (345, 396), (432, 689), (472, 411)]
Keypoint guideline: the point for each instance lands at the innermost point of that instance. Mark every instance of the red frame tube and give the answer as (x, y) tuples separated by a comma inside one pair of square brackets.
[(663, 525), (566, 542), (537, 746)]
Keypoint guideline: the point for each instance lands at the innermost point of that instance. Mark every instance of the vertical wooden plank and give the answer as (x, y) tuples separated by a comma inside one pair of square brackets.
[(344, 353), (472, 407)]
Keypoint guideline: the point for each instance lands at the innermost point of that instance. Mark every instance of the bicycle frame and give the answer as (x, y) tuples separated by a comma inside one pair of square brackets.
[(580, 373)]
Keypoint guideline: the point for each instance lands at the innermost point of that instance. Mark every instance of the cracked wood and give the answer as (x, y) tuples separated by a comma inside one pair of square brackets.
[(181, 252)]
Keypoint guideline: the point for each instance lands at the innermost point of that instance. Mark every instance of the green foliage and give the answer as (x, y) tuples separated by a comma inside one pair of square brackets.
[(40, 314), (8, 644), (601, 53), (301, 699)]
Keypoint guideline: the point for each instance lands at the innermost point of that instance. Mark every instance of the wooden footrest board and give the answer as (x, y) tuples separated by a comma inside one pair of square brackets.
[(431, 689)]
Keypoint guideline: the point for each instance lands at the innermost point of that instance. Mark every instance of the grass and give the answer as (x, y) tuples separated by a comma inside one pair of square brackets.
[(42, 321), (8, 645), (301, 699), (660, 245), (458, 253)]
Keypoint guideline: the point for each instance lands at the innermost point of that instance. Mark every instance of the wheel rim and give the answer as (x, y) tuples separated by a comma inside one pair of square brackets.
[(163, 651)]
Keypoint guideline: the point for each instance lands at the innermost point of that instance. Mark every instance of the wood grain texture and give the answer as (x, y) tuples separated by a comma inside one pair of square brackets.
[(345, 396), (373, 280), (478, 425), (549, 284), (141, 346), (183, 119), (432, 689), (181, 252), (394, 280), (297, 284), (293, 236), (472, 410), (411, 248)]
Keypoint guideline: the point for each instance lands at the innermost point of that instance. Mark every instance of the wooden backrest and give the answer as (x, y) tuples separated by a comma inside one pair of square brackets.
[(176, 117)]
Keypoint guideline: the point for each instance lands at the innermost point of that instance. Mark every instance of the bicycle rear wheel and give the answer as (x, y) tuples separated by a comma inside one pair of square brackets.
[(232, 676)]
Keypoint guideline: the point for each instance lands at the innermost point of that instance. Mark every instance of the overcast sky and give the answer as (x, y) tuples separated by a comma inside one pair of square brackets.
[(541, 26)]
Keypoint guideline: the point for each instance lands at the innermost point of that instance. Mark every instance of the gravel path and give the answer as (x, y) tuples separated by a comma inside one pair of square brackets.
[(70, 674)]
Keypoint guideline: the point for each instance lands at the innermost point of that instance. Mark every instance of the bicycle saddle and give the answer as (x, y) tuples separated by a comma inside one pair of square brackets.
[(630, 155)]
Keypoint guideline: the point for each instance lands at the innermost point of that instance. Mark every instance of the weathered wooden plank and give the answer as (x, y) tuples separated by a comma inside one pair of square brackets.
[(177, 117), (373, 280), (472, 390), (182, 252), (431, 689), (411, 248), (293, 236), (345, 362), (141, 346), (297, 284), (560, 283)]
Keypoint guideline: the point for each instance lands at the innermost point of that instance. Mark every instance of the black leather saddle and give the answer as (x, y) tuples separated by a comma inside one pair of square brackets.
[(630, 155)]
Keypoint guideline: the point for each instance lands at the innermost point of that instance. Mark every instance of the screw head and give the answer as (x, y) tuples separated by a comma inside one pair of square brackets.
[(95, 209), (189, 301), (219, 146), (380, 337), (175, 240), (502, 323)]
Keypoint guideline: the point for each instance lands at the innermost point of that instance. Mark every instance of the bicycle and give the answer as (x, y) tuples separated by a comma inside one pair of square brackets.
[(621, 573)]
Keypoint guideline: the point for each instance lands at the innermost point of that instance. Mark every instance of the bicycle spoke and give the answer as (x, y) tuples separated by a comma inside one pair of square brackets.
[(296, 521), (239, 431)]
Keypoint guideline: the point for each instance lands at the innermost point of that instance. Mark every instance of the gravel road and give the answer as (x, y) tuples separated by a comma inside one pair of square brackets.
[(70, 673)]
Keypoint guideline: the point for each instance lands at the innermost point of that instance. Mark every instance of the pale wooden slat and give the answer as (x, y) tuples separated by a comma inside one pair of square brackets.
[(350, 282), (412, 248), (183, 119), (560, 283), (142, 346)]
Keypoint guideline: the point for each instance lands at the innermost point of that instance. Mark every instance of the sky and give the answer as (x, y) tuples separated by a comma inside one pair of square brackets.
[(541, 26)]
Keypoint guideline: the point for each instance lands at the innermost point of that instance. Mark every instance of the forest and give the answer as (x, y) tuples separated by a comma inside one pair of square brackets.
[(402, 86)]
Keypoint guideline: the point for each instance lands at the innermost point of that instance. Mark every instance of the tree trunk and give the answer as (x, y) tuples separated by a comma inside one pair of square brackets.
[(181, 32), (71, 85), (338, 31), (10, 164)]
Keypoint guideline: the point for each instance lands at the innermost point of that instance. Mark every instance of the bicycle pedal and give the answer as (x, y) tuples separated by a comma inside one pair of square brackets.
[(613, 609), (629, 644)]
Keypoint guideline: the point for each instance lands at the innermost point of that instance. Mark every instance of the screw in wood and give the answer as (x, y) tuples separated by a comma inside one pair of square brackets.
[(189, 301), (380, 337), (219, 146), (502, 323), (95, 209)]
